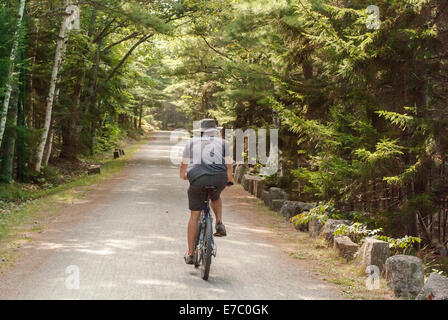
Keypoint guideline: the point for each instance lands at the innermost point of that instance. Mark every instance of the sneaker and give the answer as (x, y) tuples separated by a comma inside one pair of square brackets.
[(220, 230), (189, 259)]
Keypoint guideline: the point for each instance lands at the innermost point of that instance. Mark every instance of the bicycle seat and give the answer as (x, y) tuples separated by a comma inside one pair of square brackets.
[(209, 188)]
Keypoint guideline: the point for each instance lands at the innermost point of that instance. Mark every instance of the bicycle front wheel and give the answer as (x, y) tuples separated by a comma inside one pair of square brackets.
[(207, 251)]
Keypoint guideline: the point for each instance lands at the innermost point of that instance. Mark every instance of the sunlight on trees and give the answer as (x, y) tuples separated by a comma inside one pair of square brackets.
[(362, 112)]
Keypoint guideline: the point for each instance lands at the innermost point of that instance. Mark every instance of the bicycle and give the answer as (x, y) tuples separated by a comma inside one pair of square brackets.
[(205, 246)]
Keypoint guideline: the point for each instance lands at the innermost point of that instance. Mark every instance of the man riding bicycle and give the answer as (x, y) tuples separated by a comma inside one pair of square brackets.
[(206, 161)]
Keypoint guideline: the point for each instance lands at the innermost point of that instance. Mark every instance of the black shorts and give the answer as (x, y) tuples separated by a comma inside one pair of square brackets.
[(197, 197)]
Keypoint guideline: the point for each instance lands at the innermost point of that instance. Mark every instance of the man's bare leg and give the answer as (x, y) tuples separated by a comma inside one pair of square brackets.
[(217, 209), (192, 230)]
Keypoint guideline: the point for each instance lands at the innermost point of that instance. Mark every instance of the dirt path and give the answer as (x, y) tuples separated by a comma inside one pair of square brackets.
[(128, 236)]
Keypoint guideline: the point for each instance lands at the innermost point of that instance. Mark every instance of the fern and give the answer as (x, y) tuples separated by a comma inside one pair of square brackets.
[(403, 121)]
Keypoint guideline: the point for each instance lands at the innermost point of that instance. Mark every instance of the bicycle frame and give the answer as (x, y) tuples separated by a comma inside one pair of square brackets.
[(206, 217), (205, 246)]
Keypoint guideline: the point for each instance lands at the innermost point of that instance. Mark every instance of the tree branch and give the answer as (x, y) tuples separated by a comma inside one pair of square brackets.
[(217, 51), (103, 32), (126, 56), (131, 36)]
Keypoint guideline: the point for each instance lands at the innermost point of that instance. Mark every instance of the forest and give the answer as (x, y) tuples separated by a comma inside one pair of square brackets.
[(362, 111)]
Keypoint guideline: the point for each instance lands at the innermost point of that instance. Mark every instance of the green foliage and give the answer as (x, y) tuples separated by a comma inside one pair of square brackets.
[(109, 81), (110, 135), (362, 114), (400, 246), (385, 150), (11, 192), (356, 231), (320, 213), (401, 120)]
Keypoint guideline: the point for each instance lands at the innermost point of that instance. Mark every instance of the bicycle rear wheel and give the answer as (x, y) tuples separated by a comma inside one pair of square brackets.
[(207, 251), (197, 251)]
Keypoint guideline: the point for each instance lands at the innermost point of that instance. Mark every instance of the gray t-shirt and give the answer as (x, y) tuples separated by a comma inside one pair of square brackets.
[(206, 156)]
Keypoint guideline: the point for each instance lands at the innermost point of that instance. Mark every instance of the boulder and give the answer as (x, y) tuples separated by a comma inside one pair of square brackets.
[(314, 228), (404, 275), (259, 188), (374, 252), (94, 169), (265, 197), (301, 227), (235, 170), (245, 182), (329, 227), (277, 193), (345, 247), (305, 206), (435, 288), (273, 194), (276, 204), (293, 208), (240, 172), (252, 183)]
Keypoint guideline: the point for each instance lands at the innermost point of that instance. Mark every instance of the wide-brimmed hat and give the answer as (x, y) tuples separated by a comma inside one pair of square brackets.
[(207, 125)]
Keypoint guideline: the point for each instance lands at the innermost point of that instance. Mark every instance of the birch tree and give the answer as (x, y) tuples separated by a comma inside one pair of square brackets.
[(70, 21), (10, 80)]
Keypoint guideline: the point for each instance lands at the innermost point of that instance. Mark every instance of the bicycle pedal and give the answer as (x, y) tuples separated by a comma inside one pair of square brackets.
[(219, 235)]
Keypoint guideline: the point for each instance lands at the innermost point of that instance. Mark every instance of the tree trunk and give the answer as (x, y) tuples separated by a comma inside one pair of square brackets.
[(9, 82), (31, 89), (89, 110), (307, 67), (92, 137), (69, 147), (21, 137), (49, 147), (9, 145), (60, 47), (71, 126), (140, 116), (135, 117)]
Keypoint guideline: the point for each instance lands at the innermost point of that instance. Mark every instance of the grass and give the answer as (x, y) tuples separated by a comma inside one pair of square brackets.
[(348, 276), (12, 192), (323, 260), (18, 219)]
